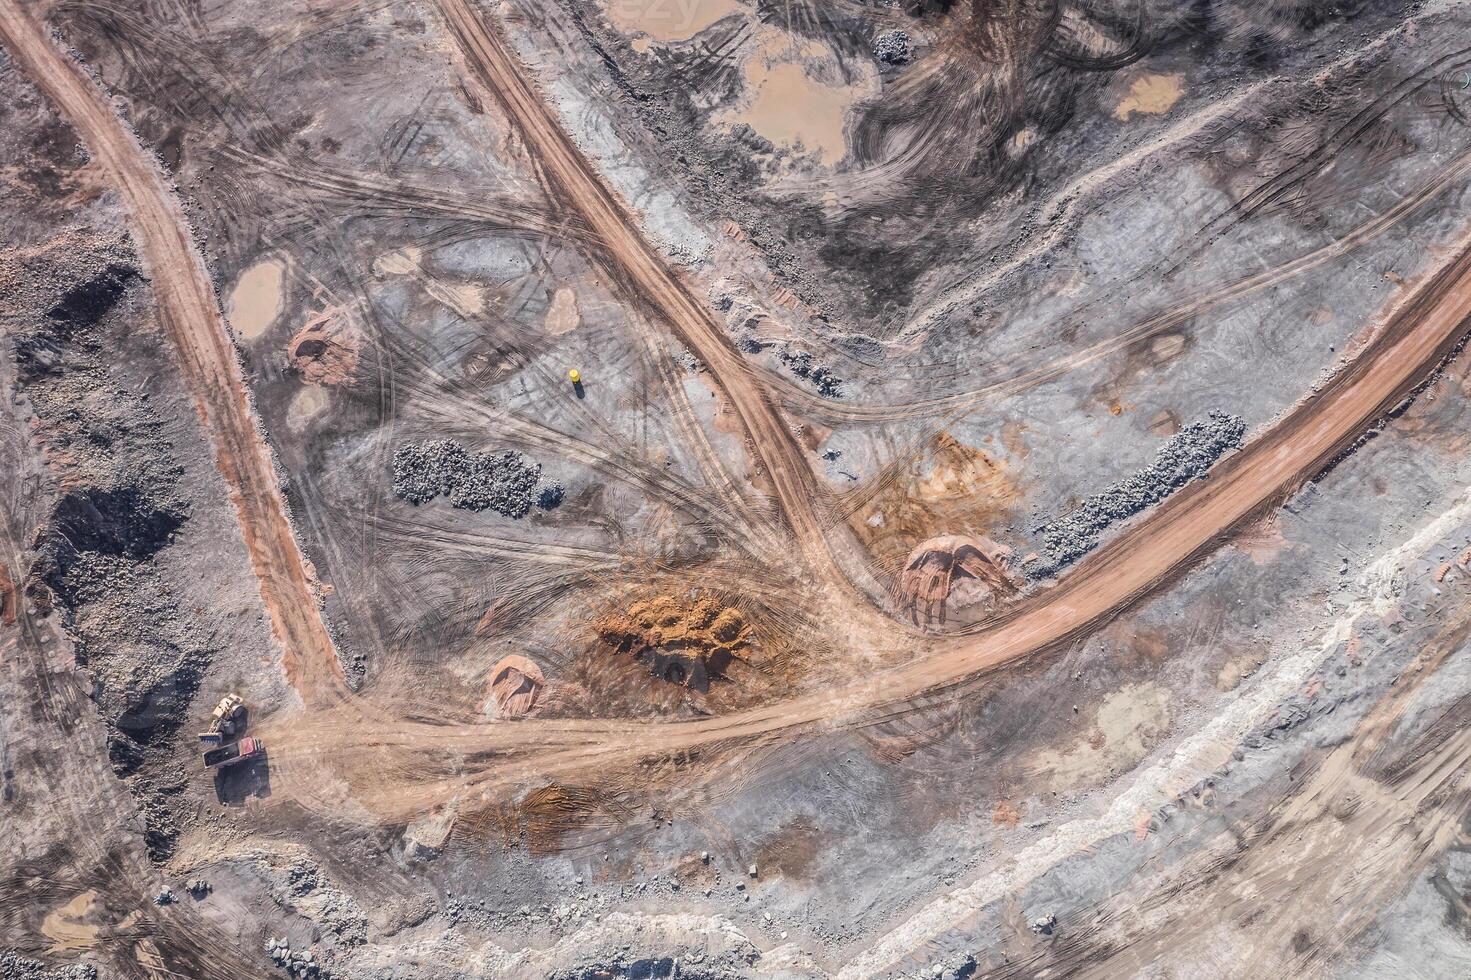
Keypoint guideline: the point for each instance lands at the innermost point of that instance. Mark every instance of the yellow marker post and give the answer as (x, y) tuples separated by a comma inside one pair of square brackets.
[(575, 376)]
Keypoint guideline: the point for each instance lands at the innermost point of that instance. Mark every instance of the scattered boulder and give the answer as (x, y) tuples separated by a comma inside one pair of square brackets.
[(14, 966), (300, 963)]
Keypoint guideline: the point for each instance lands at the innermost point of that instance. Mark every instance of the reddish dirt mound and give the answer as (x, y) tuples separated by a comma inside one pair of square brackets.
[(325, 351), (515, 684), (543, 819), (938, 567), (683, 641)]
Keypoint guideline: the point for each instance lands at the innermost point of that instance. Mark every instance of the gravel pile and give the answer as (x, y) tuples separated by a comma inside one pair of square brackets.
[(800, 363), (1184, 456), (797, 361), (14, 966), (893, 48), (296, 962), (506, 482)]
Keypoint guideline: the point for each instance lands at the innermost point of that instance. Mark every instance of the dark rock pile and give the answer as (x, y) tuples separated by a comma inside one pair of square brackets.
[(1184, 457), (893, 48), (506, 482)]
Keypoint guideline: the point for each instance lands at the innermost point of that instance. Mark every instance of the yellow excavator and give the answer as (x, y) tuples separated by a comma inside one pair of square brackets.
[(227, 714)]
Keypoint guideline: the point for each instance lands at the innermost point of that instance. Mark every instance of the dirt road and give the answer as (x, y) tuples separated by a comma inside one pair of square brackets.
[(190, 314), (644, 278)]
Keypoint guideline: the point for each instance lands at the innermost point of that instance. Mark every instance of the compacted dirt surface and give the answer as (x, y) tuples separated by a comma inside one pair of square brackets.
[(637, 488)]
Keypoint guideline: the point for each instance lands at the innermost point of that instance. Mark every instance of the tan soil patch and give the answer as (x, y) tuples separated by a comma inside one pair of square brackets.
[(468, 299), (255, 302), (400, 262), (1127, 723), (668, 20), (67, 926), (309, 402), (1150, 95), (562, 315)]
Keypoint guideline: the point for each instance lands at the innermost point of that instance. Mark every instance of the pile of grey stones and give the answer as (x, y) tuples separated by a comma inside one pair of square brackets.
[(1185, 456), (296, 962), (893, 48), (506, 482), (14, 966)]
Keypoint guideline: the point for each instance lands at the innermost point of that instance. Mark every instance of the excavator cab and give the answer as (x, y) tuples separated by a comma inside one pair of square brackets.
[(222, 722)]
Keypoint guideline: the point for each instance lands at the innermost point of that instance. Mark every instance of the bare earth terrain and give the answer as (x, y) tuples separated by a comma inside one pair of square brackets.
[(734, 489)]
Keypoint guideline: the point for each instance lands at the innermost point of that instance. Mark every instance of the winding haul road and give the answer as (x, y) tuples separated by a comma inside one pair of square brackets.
[(402, 767)]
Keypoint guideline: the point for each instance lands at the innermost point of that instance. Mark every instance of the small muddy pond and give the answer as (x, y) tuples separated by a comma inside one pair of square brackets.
[(255, 302)]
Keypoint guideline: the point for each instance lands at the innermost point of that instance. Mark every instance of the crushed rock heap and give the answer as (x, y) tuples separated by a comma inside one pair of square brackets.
[(893, 48), (1184, 456), (506, 482)]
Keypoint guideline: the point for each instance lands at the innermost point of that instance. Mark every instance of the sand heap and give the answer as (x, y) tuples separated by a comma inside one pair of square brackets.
[(940, 567), (515, 683), (683, 641)]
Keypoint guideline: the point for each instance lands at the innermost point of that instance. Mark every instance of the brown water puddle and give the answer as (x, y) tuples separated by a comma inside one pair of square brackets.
[(789, 105), (255, 302)]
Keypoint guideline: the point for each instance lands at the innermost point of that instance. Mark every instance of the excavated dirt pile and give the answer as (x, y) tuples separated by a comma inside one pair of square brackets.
[(682, 641), (326, 350), (506, 482), (938, 568), (515, 684)]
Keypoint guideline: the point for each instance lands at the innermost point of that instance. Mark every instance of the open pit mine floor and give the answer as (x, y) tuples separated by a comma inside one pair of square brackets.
[(626, 489)]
